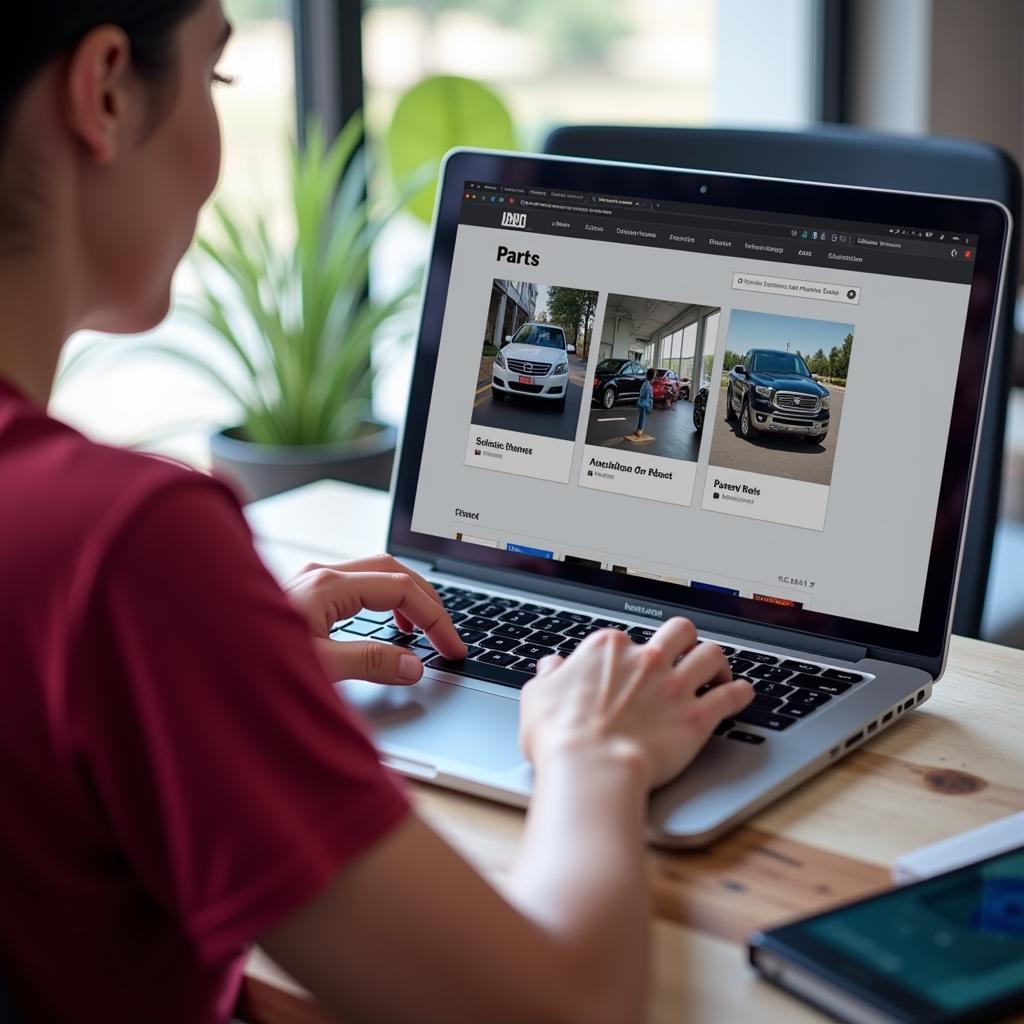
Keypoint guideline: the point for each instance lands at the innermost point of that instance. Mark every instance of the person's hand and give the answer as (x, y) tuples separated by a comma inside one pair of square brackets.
[(326, 594), (614, 695)]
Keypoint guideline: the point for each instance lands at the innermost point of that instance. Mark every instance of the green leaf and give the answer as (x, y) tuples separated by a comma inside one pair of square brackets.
[(439, 114)]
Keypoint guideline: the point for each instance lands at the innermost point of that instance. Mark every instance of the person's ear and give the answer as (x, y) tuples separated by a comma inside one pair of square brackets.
[(99, 92)]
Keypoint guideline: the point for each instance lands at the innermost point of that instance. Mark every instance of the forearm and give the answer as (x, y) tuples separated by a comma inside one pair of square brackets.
[(581, 871)]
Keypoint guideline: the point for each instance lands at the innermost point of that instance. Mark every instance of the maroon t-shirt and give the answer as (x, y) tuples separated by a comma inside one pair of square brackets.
[(176, 772)]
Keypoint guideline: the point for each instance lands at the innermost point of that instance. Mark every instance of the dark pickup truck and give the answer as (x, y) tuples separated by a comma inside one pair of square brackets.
[(774, 392)]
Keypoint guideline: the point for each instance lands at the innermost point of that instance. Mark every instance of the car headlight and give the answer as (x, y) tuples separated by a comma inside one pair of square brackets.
[(561, 368), (825, 402), (763, 391), (499, 360)]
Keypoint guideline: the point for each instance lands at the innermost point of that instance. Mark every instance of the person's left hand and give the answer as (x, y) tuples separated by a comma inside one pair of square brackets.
[(326, 594)]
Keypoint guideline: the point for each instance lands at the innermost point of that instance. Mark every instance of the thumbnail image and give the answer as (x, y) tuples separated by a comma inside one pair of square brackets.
[(533, 363), (655, 348), (780, 397)]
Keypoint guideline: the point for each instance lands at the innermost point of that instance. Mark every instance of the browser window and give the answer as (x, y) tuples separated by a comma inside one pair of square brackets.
[(719, 399)]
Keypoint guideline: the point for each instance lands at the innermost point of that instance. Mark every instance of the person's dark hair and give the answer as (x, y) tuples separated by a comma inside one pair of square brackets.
[(37, 31), (650, 373)]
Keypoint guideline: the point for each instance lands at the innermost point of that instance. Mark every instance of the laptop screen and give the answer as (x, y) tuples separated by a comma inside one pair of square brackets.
[(726, 401)]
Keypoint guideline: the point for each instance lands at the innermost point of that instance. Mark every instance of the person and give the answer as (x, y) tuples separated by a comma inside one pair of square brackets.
[(179, 777), (644, 404)]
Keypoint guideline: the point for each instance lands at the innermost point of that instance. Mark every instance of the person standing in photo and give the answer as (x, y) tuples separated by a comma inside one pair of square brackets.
[(645, 403)]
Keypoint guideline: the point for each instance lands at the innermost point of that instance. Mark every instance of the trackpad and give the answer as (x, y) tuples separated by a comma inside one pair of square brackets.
[(443, 720)]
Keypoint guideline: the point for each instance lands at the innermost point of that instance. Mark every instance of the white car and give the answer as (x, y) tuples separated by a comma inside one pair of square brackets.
[(534, 363)]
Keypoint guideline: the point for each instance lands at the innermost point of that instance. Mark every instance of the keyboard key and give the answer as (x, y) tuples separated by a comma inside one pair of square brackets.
[(763, 659), (797, 710), (801, 666), (533, 651), (471, 636), (746, 737), (422, 641), (764, 702), (769, 689), (841, 676), (727, 651), (809, 698), (820, 684), (457, 617), (553, 624), (517, 617), (526, 665), (581, 632), (764, 719), (539, 609), (381, 618), (724, 726), (509, 629), (479, 669), (390, 635), (478, 622), (359, 628), (457, 604), (507, 602), (501, 658), (641, 634), (611, 624), (739, 666), (567, 647), (453, 666), (546, 639), (499, 643), (770, 673), (488, 610), (578, 617)]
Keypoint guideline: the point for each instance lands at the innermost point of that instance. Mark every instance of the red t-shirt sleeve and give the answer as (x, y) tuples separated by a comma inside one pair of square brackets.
[(233, 777)]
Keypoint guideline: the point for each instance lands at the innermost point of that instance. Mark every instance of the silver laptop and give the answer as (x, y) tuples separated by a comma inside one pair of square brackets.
[(798, 489)]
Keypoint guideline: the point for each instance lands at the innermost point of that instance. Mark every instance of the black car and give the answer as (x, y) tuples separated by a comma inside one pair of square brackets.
[(617, 380), (774, 392)]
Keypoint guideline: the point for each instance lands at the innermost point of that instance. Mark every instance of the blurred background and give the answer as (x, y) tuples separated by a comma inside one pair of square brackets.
[(911, 67)]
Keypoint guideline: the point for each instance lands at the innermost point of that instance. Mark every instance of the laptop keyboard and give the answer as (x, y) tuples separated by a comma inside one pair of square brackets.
[(506, 638)]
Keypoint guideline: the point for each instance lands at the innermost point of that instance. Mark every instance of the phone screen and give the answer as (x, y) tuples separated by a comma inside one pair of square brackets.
[(954, 942)]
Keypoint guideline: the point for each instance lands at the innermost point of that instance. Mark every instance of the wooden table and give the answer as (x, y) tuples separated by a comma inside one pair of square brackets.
[(957, 762)]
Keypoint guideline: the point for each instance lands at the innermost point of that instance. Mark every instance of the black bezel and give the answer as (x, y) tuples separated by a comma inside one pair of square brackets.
[(792, 944), (988, 221)]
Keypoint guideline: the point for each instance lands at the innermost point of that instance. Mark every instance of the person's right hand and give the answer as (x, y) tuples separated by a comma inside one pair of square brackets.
[(612, 694)]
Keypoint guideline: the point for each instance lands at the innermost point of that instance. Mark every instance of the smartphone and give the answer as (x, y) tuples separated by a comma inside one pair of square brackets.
[(948, 949)]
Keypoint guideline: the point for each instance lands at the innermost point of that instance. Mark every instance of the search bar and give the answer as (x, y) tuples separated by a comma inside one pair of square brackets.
[(849, 295)]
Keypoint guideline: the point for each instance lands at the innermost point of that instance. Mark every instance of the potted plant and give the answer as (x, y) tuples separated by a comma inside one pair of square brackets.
[(299, 324)]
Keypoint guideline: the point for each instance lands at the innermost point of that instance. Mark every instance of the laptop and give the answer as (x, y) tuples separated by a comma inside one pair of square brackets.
[(798, 489)]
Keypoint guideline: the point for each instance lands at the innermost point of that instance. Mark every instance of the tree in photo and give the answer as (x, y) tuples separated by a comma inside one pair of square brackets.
[(573, 309)]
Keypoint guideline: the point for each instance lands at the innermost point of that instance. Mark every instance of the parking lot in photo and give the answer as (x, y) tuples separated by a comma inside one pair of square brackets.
[(526, 414), (671, 428), (783, 455)]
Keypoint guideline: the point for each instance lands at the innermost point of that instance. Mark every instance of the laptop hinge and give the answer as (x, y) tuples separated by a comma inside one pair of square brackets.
[(825, 647)]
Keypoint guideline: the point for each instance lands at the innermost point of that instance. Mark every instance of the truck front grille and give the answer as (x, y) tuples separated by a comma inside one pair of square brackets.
[(792, 401)]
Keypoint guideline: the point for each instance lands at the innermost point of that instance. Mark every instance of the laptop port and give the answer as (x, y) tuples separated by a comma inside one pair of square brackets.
[(872, 726), (855, 738), (920, 696), (887, 717)]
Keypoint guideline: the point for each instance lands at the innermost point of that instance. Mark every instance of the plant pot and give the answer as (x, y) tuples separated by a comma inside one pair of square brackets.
[(259, 470)]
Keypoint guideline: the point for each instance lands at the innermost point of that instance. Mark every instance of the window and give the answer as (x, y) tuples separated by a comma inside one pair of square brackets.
[(602, 61)]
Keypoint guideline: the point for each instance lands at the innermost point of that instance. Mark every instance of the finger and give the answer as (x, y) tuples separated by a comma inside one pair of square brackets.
[(548, 663), (675, 638), (398, 592), (382, 563), (372, 660), (705, 664), (726, 700)]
